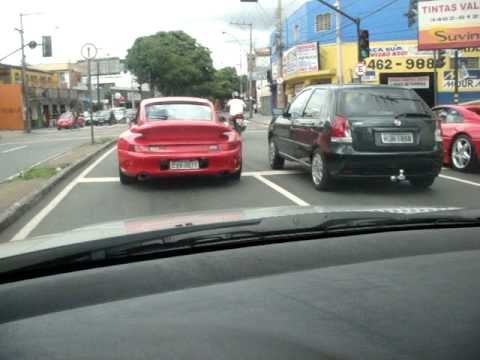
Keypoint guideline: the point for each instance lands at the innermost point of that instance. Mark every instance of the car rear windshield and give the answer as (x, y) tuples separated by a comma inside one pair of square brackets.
[(379, 102), (178, 111)]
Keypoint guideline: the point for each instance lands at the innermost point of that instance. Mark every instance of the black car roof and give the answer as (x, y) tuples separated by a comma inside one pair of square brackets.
[(354, 86)]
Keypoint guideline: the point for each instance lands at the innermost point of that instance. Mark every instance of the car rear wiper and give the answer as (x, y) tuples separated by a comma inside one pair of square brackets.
[(412, 114)]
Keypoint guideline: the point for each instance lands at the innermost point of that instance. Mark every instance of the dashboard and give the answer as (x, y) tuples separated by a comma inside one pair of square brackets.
[(392, 295)]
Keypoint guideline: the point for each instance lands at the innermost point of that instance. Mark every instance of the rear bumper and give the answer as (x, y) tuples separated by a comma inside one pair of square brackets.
[(382, 165), (157, 165)]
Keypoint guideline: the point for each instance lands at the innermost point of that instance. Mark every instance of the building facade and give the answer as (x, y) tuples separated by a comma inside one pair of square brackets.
[(47, 96), (310, 52)]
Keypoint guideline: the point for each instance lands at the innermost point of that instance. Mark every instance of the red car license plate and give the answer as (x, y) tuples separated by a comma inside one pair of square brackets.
[(184, 165)]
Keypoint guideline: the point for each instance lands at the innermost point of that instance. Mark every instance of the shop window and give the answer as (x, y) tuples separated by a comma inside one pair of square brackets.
[(323, 22), (467, 62)]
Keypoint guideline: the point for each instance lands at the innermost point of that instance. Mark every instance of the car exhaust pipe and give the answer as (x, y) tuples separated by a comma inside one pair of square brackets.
[(399, 177), (143, 177)]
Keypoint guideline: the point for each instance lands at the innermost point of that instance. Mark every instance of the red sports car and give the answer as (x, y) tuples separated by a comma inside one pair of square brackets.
[(174, 136), (461, 135), (70, 120)]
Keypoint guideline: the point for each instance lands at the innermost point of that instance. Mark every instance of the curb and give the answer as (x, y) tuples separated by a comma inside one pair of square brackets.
[(12, 213)]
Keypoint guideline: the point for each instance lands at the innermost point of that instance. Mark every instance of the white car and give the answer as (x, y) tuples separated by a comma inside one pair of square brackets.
[(120, 114)]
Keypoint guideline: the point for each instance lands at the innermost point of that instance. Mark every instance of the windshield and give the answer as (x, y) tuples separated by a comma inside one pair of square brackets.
[(381, 101), (178, 111), (206, 111)]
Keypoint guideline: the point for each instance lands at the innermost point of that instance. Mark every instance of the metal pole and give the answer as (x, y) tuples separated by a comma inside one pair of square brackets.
[(28, 124), (241, 79), (435, 78), (357, 22), (250, 75), (455, 94), (280, 92), (339, 46), (98, 85), (90, 96)]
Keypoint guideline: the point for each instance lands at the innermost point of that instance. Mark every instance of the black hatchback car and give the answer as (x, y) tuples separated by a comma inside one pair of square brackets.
[(359, 131)]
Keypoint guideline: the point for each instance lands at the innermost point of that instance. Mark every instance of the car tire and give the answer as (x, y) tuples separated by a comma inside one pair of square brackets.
[(321, 177), (423, 182), (275, 160), (236, 176), (125, 179), (463, 154)]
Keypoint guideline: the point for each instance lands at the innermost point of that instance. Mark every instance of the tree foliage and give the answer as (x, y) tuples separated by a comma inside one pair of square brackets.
[(171, 61)]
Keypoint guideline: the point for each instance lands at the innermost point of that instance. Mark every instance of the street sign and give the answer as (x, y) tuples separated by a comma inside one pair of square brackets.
[(361, 69), (89, 51)]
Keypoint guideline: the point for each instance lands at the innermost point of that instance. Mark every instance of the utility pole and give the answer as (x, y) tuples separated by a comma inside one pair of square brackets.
[(455, 94), (339, 45), (435, 78), (250, 65), (90, 96), (98, 85), (28, 124), (279, 45)]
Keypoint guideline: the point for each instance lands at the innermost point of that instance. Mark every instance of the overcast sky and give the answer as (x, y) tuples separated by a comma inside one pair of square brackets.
[(114, 25)]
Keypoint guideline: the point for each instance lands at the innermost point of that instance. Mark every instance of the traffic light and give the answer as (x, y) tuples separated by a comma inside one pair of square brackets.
[(364, 45), (441, 59), (47, 46)]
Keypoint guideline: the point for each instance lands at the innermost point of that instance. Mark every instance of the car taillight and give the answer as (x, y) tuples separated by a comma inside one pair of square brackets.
[(139, 148), (438, 131), (340, 132)]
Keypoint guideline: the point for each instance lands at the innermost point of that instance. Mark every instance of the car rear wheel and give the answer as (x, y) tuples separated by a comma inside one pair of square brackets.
[(125, 179), (320, 176), (237, 175), (276, 161), (463, 154), (423, 182)]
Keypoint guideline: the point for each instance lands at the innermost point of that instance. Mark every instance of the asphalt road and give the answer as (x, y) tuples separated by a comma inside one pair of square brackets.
[(95, 195), (19, 151)]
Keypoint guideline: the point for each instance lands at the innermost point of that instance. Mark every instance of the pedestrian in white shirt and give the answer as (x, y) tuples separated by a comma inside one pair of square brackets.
[(236, 106)]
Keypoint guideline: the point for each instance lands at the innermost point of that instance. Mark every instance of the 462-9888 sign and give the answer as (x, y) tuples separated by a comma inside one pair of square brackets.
[(399, 64)]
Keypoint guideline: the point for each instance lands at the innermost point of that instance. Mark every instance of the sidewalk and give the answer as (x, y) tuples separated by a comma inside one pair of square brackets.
[(12, 134)]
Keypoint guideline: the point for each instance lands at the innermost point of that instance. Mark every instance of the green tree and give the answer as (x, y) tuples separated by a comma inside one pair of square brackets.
[(226, 81), (173, 62)]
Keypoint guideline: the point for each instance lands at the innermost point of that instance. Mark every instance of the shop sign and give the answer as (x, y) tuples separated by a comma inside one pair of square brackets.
[(398, 51), (413, 82), (448, 24), (369, 76), (301, 59), (469, 81)]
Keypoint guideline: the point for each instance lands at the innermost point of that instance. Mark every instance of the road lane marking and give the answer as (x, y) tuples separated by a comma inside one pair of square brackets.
[(110, 179), (14, 149), (26, 230), (459, 180), (282, 191)]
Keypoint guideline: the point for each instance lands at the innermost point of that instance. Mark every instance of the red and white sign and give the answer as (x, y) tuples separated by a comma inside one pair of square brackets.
[(360, 69), (448, 24)]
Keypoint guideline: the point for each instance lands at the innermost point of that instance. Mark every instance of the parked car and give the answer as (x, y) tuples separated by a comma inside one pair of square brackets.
[(103, 117), (120, 115), (359, 131), (70, 120), (175, 137), (461, 135)]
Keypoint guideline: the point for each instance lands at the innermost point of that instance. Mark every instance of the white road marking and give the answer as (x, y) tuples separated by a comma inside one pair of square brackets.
[(282, 191), (14, 149), (459, 180), (42, 214), (110, 179)]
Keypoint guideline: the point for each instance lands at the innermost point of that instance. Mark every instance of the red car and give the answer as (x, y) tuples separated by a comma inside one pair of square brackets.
[(69, 120), (461, 135), (175, 136)]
